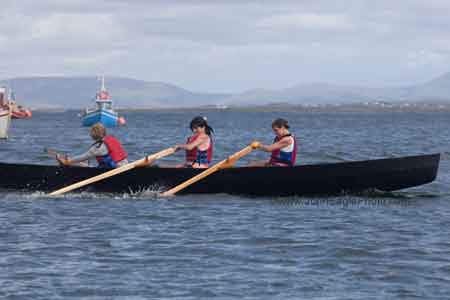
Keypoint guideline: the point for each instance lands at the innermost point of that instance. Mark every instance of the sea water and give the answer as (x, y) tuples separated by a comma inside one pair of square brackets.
[(370, 245)]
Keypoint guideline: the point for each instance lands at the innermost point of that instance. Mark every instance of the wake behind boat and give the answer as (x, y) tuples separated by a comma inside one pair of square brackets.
[(103, 112), (322, 179)]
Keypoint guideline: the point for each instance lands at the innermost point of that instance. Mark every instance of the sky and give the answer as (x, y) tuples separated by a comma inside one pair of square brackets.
[(228, 46)]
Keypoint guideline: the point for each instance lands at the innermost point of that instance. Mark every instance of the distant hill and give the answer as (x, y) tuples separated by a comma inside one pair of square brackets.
[(436, 90), (78, 92)]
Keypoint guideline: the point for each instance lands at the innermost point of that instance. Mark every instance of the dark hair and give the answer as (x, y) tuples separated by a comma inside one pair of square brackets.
[(201, 122), (280, 123)]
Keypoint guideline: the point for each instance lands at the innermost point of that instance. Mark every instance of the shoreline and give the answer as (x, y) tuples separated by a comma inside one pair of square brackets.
[(344, 108)]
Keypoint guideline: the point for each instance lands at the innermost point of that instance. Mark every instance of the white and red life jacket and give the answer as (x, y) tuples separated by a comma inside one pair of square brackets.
[(116, 153), (195, 155), (286, 156)]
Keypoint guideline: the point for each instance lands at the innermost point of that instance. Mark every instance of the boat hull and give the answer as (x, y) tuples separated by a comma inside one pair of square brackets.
[(5, 122), (322, 179), (107, 118), (21, 114)]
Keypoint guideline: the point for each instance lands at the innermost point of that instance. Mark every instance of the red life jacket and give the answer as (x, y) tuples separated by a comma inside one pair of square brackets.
[(197, 156), (116, 153), (283, 158)]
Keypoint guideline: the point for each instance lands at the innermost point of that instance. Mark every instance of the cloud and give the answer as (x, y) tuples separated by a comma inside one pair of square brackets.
[(308, 21), (425, 58), (228, 45), (98, 27)]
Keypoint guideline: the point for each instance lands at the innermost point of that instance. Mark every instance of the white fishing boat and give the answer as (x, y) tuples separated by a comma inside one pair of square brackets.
[(5, 114)]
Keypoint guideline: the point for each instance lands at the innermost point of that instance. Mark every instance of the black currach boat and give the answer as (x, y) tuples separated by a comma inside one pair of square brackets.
[(322, 179)]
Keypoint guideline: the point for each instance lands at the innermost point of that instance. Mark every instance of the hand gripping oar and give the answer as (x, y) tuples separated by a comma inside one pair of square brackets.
[(226, 163), (52, 152), (138, 163)]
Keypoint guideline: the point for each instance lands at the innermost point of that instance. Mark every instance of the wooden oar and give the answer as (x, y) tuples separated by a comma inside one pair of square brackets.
[(138, 163), (226, 163), (53, 152)]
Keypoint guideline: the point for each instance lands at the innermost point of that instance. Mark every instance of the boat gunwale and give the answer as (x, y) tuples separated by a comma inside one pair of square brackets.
[(352, 162)]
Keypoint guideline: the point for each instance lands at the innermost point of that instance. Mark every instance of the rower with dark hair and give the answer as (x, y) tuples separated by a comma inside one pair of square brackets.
[(283, 148), (107, 150), (199, 147)]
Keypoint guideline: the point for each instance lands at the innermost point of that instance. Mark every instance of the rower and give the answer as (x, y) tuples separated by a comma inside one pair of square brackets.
[(283, 149), (107, 150), (199, 147)]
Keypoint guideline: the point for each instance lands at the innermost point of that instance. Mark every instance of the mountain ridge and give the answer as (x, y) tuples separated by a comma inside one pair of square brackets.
[(77, 92)]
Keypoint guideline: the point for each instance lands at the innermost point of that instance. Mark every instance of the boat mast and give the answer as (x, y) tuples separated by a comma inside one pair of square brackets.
[(9, 97), (103, 89), (99, 94)]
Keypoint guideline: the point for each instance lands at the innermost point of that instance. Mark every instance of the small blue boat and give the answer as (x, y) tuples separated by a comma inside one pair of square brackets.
[(103, 112)]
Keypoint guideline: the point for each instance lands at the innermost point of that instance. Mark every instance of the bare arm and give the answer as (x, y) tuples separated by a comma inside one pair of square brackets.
[(90, 154), (79, 158), (194, 144), (276, 146)]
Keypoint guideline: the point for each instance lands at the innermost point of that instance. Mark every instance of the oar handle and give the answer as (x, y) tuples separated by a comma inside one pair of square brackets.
[(232, 159), (55, 153), (153, 157)]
